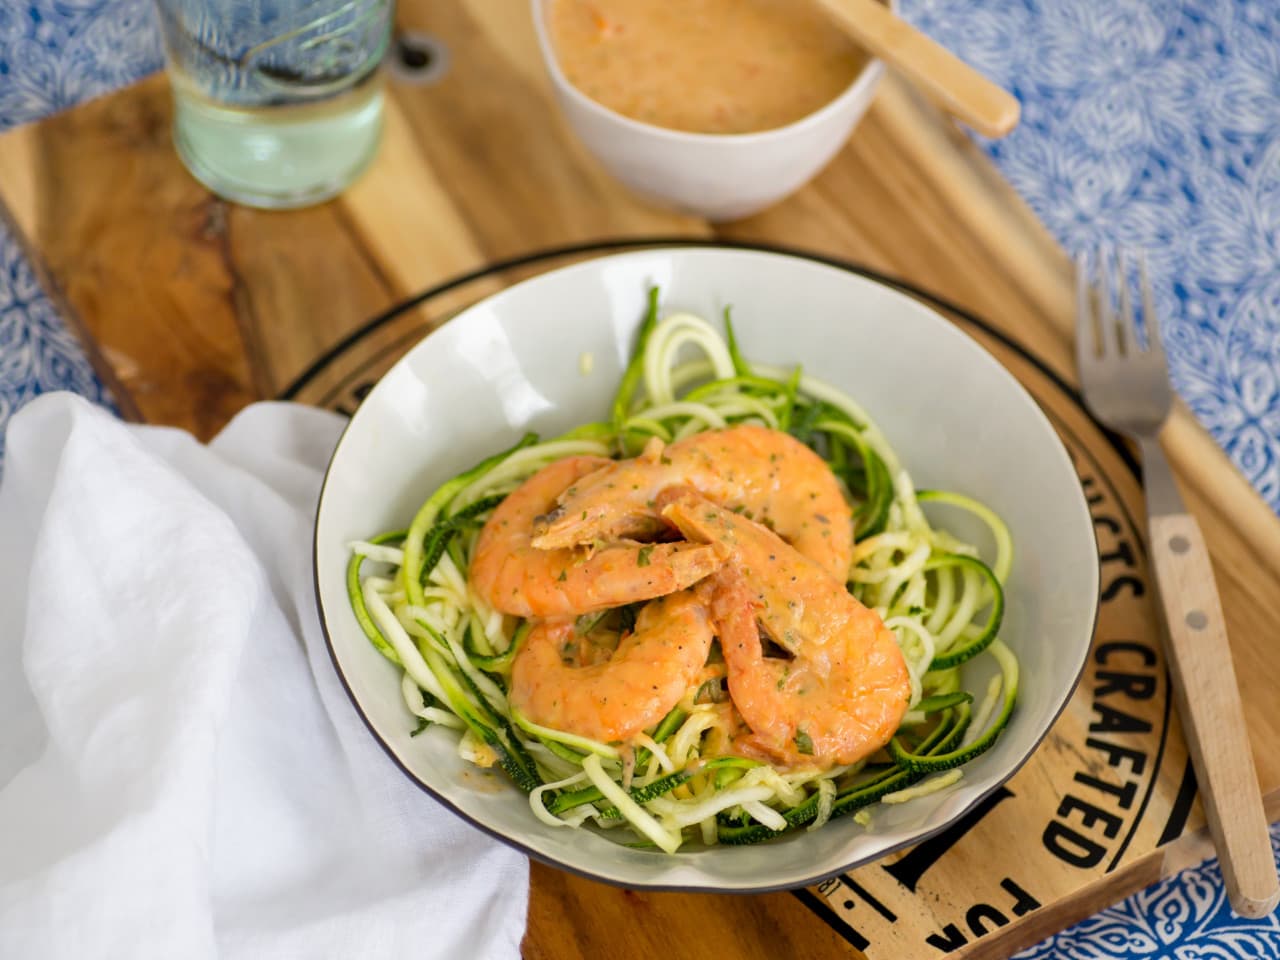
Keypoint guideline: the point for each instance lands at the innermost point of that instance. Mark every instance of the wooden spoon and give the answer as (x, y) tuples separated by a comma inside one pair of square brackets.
[(961, 90)]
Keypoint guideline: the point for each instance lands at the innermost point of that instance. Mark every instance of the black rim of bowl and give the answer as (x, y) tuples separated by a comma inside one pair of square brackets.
[(604, 247)]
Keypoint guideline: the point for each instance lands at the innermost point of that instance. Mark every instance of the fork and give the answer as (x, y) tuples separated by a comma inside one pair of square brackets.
[(1127, 388)]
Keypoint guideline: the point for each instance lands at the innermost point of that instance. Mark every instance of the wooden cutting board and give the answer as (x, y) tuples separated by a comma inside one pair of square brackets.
[(192, 308)]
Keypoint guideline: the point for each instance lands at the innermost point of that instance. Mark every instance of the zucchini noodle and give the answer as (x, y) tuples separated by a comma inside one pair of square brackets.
[(678, 783)]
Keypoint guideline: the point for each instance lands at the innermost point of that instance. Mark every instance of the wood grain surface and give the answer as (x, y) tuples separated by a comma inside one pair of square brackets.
[(933, 69), (1207, 696), (193, 308)]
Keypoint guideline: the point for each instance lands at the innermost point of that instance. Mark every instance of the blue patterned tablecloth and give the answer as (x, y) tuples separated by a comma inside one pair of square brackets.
[(54, 54), (1151, 124), (1155, 125)]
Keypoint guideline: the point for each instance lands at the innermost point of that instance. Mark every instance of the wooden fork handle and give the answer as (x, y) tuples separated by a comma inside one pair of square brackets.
[(1208, 701), (960, 89)]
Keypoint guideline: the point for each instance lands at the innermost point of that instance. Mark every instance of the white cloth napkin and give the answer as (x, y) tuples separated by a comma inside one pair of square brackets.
[(181, 775)]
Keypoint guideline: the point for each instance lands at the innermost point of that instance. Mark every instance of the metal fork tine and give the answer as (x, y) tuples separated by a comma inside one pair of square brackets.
[(1086, 341), (1126, 330), (1155, 343), (1130, 392), (1110, 346), (1124, 386)]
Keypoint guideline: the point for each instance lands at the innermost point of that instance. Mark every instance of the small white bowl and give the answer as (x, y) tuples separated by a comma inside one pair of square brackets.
[(716, 176), (958, 419)]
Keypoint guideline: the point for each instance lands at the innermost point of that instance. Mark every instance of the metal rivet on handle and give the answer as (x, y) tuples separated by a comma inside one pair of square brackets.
[(1179, 544), (1197, 620), (417, 58)]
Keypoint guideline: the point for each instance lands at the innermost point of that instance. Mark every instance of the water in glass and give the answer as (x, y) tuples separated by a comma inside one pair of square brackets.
[(277, 103)]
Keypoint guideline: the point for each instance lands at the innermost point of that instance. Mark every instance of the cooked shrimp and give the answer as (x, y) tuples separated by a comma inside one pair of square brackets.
[(514, 577), (648, 674), (842, 694), (766, 474)]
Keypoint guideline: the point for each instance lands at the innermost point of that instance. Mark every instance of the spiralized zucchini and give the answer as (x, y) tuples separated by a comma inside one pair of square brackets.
[(678, 784)]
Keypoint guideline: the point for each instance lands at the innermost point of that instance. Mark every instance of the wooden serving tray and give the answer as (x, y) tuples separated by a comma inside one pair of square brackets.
[(192, 308)]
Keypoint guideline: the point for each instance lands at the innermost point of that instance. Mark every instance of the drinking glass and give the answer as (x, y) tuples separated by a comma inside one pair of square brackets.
[(277, 103)]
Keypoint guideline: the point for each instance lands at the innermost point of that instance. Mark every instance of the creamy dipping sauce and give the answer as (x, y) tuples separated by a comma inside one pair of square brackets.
[(706, 66)]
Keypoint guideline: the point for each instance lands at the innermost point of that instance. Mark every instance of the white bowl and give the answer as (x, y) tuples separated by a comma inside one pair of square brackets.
[(716, 176), (510, 363)]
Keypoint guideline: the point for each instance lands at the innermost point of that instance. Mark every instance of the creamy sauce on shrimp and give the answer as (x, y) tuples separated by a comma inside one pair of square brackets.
[(706, 66)]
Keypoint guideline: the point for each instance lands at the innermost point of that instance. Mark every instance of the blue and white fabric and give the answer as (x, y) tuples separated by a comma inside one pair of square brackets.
[(1149, 124), (1185, 917), (1155, 125), (55, 54)]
